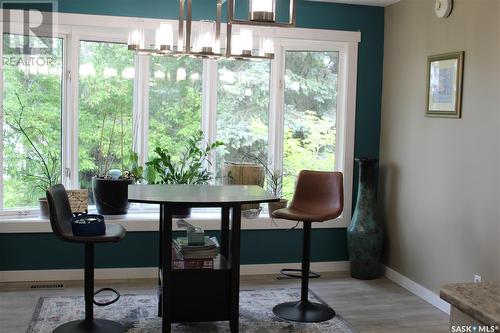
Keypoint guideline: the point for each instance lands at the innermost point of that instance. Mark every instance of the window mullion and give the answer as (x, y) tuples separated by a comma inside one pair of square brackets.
[(209, 104), (71, 112), (141, 108), (276, 118)]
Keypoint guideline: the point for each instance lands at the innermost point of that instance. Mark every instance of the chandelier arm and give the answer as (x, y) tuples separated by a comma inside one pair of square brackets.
[(293, 13), (229, 26), (218, 26), (189, 21), (181, 26)]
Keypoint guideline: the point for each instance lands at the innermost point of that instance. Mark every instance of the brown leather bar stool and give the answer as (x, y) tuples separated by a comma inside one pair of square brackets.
[(60, 221), (318, 197)]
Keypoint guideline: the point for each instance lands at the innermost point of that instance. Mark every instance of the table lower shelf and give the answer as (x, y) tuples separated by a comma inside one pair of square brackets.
[(200, 294)]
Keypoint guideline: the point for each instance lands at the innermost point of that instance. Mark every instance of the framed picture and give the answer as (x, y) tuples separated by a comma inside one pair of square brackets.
[(444, 85)]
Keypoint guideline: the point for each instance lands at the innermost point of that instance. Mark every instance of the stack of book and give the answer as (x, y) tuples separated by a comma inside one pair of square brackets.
[(186, 256)]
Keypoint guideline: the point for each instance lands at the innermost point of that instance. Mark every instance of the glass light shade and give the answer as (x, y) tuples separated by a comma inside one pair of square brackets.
[(205, 40), (236, 44), (246, 40), (164, 37), (266, 48), (136, 39), (180, 44), (262, 10), (135, 34)]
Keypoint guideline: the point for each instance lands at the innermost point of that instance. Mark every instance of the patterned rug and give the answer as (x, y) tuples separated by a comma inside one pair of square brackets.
[(138, 314)]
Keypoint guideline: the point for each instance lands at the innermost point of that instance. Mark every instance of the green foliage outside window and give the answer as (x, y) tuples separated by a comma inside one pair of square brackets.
[(175, 97), (242, 110), (106, 86), (310, 114), (36, 81), (106, 90)]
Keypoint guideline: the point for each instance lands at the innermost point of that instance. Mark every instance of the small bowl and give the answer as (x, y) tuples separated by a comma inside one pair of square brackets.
[(251, 213)]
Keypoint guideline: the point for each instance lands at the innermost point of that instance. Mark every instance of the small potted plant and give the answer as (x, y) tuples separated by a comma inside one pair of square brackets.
[(188, 168), (110, 186), (47, 170), (274, 184)]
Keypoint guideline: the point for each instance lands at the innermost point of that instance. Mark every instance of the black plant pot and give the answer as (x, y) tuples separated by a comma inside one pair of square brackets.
[(181, 213), (111, 196)]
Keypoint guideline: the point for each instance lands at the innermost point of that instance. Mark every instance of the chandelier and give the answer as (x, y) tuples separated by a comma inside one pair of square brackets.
[(205, 41)]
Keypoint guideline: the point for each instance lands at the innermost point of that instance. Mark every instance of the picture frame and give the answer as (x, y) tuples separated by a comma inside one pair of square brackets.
[(444, 85)]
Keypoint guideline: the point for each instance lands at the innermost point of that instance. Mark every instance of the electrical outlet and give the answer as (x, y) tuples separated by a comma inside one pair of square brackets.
[(477, 278)]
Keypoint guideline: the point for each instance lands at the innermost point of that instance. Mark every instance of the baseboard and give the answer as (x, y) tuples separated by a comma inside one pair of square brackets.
[(417, 289), (151, 272)]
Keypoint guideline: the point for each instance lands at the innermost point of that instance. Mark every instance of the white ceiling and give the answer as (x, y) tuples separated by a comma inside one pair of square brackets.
[(381, 3)]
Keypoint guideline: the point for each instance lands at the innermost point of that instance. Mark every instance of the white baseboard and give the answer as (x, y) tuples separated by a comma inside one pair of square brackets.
[(151, 272), (327, 266), (417, 289)]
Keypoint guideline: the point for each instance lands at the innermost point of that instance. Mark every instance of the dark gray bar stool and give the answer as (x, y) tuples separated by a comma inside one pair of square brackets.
[(318, 197), (60, 221)]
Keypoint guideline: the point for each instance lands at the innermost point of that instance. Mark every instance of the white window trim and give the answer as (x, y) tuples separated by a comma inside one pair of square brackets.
[(78, 27)]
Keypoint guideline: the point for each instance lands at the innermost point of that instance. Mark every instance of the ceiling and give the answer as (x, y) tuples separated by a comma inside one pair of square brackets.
[(381, 3)]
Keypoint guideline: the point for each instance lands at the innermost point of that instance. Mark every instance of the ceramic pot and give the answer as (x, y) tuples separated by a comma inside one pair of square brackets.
[(272, 206), (111, 195), (365, 234), (43, 204)]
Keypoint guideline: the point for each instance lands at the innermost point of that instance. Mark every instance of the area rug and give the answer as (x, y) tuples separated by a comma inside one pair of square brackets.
[(138, 314)]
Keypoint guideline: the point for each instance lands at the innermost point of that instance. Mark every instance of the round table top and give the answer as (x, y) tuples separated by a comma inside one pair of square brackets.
[(199, 195)]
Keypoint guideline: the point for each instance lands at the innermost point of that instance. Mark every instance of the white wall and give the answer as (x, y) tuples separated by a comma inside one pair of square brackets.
[(440, 178)]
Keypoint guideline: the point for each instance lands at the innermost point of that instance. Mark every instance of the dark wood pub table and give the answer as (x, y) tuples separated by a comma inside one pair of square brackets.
[(190, 295)]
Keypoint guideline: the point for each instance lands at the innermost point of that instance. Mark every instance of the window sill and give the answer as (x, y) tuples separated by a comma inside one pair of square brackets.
[(135, 222)]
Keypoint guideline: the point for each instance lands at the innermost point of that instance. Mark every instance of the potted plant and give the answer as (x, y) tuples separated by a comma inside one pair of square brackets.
[(46, 169), (274, 184), (110, 186), (188, 168)]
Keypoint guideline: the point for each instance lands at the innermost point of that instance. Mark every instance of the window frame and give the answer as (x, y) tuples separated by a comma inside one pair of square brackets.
[(65, 36), (345, 113), (74, 28)]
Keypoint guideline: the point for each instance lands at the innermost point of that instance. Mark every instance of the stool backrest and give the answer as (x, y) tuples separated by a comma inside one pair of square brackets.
[(60, 211), (319, 192)]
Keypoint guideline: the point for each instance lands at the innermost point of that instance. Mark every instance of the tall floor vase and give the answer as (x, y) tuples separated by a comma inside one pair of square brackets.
[(365, 234)]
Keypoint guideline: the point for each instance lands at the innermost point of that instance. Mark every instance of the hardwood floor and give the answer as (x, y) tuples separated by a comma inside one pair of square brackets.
[(370, 306)]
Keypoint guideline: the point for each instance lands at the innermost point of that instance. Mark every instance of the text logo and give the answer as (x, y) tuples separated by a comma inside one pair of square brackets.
[(30, 25)]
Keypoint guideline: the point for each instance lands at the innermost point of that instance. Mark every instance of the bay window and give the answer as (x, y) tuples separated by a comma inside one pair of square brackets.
[(95, 101)]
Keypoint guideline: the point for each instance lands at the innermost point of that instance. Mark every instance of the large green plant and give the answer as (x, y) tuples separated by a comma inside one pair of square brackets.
[(189, 168), (44, 170)]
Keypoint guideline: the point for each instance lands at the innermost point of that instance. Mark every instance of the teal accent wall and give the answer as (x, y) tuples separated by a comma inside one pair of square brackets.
[(140, 249), (44, 251)]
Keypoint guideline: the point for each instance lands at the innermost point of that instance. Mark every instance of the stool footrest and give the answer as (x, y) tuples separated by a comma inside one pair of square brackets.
[(292, 273), (114, 291)]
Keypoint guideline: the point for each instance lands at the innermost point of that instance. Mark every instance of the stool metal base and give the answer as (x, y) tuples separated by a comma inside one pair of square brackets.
[(94, 326), (304, 312), (289, 273)]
